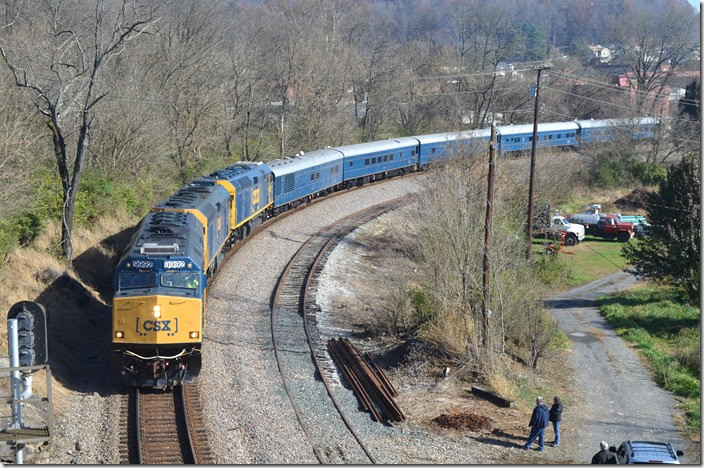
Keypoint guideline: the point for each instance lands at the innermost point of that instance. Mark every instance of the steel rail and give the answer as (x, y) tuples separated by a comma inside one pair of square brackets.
[(334, 233), (334, 240), (164, 428)]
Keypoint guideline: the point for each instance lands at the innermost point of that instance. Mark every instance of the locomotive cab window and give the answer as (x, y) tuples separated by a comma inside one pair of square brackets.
[(180, 279), (137, 280)]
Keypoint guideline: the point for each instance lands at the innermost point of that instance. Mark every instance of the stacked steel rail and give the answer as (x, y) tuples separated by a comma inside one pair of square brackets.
[(293, 324), (368, 381)]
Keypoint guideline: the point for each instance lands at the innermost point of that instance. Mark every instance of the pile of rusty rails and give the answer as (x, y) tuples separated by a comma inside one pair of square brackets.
[(368, 381)]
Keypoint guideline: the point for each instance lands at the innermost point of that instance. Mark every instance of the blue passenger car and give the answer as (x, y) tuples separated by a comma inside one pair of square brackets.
[(520, 137), (441, 145), (366, 161), (599, 131), (301, 176)]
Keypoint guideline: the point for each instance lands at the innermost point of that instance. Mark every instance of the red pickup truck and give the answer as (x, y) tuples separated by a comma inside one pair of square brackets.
[(610, 228)]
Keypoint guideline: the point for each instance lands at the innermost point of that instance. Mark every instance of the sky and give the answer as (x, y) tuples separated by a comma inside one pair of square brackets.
[(695, 4)]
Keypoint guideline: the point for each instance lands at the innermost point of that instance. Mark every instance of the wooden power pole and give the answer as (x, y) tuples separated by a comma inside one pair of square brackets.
[(487, 240), (529, 226)]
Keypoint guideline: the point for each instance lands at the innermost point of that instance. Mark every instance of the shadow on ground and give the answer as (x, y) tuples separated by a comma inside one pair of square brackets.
[(79, 321)]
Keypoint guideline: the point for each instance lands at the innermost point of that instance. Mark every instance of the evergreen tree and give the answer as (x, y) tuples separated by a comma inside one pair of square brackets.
[(670, 252), (690, 103)]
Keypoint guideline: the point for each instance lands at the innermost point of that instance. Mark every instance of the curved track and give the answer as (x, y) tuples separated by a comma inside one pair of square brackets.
[(164, 427), (299, 351)]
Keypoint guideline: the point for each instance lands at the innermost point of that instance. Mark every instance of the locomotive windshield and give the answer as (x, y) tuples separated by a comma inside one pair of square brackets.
[(180, 279), (137, 280)]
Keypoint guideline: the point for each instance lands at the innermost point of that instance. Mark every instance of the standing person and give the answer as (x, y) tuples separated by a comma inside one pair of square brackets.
[(538, 423), (603, 456), (556, 417)]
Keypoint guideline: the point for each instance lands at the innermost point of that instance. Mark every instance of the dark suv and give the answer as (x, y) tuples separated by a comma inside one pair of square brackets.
[(638, 451)]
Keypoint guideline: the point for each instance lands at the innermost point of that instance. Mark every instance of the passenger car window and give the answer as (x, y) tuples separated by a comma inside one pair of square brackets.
[(366, 162), (255, 180), (391, 157), (386, 157), (312, 177)]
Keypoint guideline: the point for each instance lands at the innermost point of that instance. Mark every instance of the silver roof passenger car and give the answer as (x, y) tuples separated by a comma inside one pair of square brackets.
[(289, 164)]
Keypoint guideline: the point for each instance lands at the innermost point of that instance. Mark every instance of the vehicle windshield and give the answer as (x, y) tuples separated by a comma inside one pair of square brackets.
[(181, 279), (137, 280)]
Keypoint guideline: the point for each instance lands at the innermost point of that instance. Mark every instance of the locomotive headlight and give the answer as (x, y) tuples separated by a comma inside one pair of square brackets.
[(119, 334), (193, 334), (157, 311)]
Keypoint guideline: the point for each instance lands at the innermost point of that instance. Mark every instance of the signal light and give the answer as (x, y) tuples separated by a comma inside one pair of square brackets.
[(119, 334), (193, 334)]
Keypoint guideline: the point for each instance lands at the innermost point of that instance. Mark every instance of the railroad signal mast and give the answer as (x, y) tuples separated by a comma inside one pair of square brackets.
[(27, 342)]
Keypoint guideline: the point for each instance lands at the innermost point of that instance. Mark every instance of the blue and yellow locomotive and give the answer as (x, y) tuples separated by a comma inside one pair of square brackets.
[(161, 280)]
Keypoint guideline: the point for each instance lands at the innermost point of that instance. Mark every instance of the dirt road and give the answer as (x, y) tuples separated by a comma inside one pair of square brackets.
[(617, 398)]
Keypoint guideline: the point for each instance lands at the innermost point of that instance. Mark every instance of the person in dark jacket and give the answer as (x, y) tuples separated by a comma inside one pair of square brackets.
[(538, 423), (555, 418), (603, 456)]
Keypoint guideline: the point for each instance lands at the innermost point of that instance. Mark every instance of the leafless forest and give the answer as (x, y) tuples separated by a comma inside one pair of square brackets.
[(142, 96)]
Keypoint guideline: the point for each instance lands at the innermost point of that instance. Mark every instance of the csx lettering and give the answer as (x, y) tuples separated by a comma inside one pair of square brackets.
[(157, 325)]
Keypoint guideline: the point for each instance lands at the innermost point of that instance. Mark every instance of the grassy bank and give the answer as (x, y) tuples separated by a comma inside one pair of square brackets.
[(666, 332)]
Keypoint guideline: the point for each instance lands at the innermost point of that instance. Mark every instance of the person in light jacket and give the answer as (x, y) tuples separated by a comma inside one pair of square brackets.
[(555, 418), (538, 423)]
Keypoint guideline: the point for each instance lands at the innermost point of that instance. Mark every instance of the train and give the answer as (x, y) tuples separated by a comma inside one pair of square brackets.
[(160, 281)]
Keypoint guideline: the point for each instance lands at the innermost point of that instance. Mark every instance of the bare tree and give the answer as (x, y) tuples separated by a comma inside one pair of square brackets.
[(61, 66), (657, 38)]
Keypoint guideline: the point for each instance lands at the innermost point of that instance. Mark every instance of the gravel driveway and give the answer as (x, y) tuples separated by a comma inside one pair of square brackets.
[(616, 393)]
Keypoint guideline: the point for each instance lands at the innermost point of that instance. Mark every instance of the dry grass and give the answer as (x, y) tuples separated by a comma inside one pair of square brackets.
[(450, 331), (496, 378), (95, 254)]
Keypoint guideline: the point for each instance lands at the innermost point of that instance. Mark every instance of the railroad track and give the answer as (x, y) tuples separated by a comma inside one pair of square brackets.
[(163, 427), (301, 353)]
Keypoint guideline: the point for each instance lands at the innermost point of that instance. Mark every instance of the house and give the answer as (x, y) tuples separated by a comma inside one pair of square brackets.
[(600, 53)]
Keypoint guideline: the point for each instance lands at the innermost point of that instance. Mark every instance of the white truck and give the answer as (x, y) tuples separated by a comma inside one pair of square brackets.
[(574, 231)]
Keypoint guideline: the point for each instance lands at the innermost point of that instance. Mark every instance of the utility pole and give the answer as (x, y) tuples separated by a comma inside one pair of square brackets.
[(529, 227), (487, 241)]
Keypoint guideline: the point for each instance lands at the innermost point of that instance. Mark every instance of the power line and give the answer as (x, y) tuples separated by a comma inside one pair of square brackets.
[(611, 87), (467, 92), (605, 257), (530, 66)]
